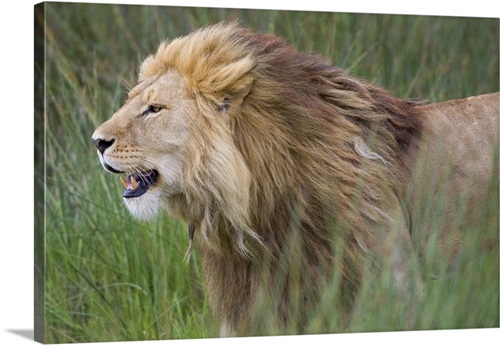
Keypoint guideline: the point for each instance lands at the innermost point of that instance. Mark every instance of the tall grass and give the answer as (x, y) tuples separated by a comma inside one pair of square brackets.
[(109, 277)]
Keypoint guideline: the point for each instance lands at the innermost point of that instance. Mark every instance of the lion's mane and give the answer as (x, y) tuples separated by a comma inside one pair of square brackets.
[(286, 153)]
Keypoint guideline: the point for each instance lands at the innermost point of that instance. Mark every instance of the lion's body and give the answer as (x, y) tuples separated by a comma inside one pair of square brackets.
[(457, 157), (275, 157)]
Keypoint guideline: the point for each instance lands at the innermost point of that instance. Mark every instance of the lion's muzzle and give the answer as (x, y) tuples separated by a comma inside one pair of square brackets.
[(137, 183)]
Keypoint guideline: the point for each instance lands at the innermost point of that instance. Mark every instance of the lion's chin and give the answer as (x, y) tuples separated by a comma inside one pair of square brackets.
[(146, 206)]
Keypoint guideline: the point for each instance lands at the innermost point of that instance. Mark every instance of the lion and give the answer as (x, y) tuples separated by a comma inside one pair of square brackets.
[(273, 157)]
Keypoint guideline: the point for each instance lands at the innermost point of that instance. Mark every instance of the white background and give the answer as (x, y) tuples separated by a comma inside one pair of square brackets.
[(16, 179)]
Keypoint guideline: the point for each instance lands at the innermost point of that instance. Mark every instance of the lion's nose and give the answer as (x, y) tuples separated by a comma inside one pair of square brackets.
[(102, 144)]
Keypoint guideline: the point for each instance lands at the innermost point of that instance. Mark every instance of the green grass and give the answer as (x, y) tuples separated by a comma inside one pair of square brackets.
[(109, 277)]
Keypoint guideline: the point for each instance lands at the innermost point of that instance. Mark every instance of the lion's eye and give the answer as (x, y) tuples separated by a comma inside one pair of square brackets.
[(152, 109)]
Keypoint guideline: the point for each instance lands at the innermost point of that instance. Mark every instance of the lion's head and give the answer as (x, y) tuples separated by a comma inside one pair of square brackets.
[(173, 140)]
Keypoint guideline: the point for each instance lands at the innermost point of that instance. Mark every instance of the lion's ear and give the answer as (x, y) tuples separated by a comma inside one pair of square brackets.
[(236, 93), (241, 88)]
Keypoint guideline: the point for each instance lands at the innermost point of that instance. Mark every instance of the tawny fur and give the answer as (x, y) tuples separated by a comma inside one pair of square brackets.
[(285, 157)]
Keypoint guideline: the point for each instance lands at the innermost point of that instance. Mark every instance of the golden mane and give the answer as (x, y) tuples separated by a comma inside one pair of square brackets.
[(308, 148)]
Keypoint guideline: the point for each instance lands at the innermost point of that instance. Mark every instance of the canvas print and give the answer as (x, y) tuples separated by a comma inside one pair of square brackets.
[(213, 172)]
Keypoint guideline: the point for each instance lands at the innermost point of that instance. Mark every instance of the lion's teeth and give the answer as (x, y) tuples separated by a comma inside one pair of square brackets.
[(124, 182), (130, 183), (135, 184)]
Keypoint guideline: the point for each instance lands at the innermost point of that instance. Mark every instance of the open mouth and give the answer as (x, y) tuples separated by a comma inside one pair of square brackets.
[(138, 183)]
